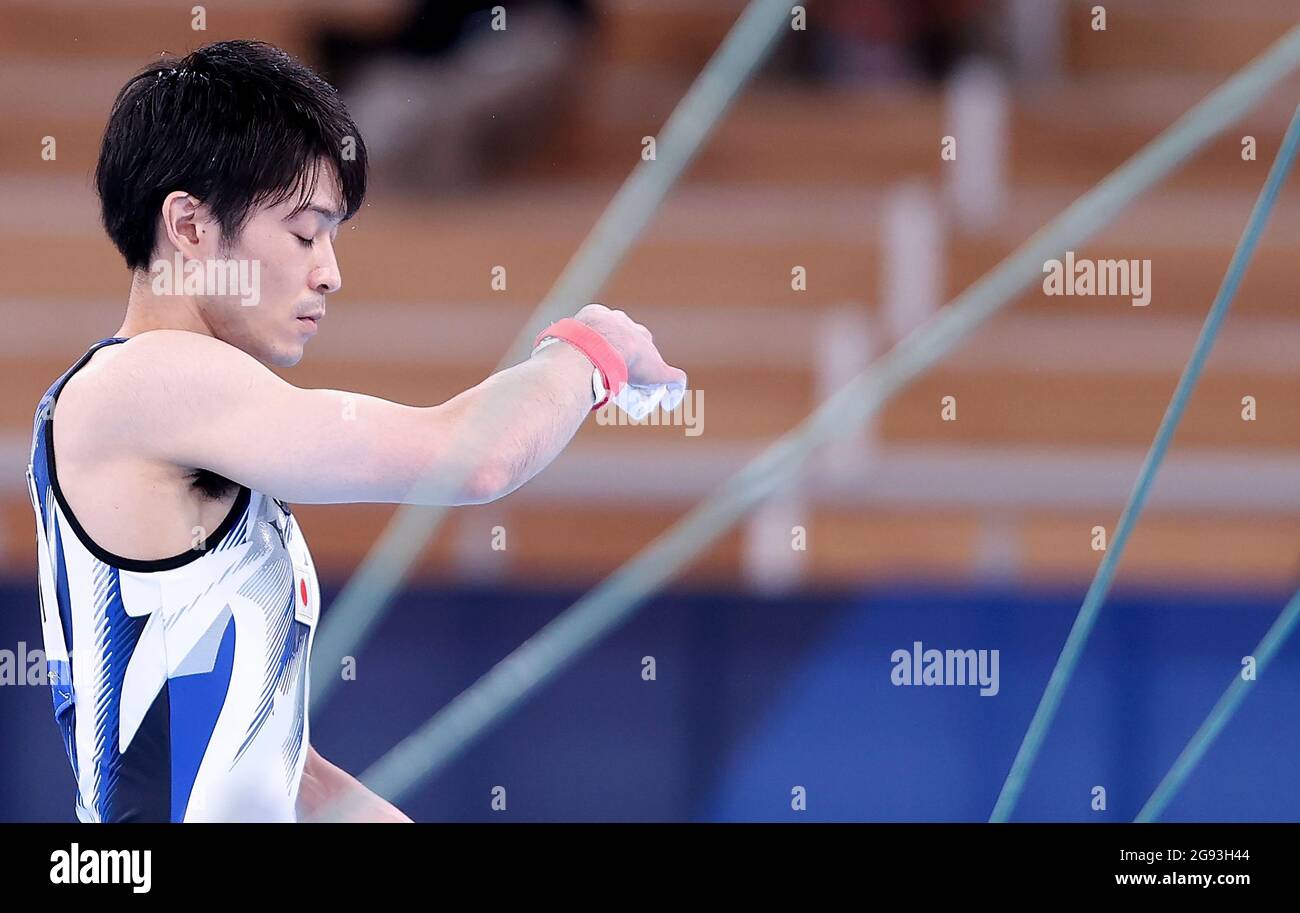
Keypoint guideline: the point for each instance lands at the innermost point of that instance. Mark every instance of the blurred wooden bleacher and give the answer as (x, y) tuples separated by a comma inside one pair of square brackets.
[(794, 175)]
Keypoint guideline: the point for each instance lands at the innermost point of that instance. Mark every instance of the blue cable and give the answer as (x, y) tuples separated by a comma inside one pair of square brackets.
[(1092, 603), (1220, 715)]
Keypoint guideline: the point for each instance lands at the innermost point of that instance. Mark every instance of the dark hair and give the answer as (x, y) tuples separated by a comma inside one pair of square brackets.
[(236, 124)]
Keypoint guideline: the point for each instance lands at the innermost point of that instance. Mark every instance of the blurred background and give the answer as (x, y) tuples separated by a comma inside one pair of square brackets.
[(501, 149)]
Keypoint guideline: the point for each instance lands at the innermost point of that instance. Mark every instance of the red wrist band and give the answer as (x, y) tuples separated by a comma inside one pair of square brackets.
[(604, 356)]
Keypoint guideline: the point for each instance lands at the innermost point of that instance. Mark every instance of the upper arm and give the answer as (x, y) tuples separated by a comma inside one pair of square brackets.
[(195, 401)]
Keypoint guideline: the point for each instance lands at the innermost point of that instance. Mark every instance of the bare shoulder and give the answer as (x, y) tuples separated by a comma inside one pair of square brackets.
[(146, 383), (164, 353), (163, 366)]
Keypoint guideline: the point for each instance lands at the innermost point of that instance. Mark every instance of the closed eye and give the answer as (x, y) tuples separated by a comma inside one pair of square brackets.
[(305, 242)]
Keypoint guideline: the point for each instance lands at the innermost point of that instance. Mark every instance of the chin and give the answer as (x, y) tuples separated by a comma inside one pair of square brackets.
[(290, 359), (285, 357)]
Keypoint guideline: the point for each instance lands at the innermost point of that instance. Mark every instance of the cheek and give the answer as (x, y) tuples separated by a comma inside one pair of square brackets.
[(275, 251), (282, 268), (273, 272), (279, 293)]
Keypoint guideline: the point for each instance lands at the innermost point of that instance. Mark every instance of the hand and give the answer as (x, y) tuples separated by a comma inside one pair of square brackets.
[(326, 790), (645, 366)]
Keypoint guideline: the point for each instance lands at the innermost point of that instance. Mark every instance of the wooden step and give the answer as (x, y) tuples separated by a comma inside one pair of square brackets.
[(1173, 35), (142, 29), (677, 35), (758, 402), (577, 546), (717, 250), (789, 136), (1068, 409)]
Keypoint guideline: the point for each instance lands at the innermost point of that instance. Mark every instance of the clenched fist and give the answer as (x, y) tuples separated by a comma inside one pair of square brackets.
[(645, 366)]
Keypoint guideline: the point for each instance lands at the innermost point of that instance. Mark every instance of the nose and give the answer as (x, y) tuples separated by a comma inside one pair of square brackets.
[(325, 277)]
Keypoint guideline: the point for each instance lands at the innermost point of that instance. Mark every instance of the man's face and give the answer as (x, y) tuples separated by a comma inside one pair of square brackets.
[(287, 260)]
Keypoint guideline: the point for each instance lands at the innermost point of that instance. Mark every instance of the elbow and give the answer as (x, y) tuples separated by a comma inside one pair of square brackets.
[(489, 483), (450, 486), (442, 478), (469, 476)]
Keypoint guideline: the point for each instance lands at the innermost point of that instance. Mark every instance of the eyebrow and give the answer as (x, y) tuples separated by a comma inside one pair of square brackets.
[(332, 215)]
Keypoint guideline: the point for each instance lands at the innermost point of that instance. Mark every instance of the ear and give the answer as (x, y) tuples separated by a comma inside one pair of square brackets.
[(189, 226)]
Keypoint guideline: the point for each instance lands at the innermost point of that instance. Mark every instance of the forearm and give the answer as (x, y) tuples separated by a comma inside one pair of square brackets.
[(521, 418), (325, 787)]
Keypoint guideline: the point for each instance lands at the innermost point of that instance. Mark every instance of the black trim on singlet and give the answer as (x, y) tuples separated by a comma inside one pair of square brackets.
[(118, 561)]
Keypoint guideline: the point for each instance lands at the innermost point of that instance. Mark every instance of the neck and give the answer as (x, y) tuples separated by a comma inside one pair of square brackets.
[(146, 310)]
